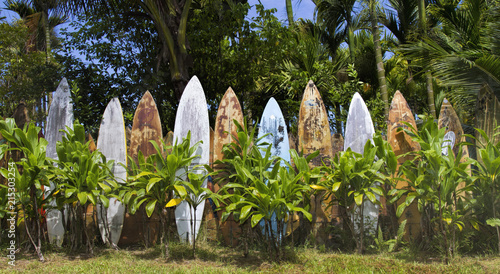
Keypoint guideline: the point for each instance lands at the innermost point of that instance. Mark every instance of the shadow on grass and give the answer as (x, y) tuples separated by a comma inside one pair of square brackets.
[(211, 252)]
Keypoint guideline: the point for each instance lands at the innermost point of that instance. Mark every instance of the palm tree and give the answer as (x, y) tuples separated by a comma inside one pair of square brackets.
[(463, 53), (339, 18), (170, 19), (41, 17)]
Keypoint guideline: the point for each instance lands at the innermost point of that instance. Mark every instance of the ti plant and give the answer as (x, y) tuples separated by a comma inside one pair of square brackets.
[(158, 181), (83, 179), (354, 180), (36, 172), (434, 179), (488, 180), (197, 194), (260, 188)]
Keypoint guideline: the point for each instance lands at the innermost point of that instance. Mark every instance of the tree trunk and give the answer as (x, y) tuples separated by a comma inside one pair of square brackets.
[(47, 35), (289, 12), (428, 77), (378, 58)]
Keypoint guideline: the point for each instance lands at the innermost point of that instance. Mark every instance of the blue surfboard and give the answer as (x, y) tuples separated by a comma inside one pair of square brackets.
[(273, 122)]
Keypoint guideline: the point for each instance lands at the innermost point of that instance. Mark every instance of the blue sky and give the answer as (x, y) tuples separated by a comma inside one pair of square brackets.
[(301, 9)]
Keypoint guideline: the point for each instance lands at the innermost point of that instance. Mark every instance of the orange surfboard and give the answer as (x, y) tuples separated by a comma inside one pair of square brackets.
[(146, 126), (229, 110), (314, 134), (402, 143)]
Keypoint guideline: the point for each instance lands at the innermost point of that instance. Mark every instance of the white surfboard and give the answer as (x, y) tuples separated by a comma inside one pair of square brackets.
[(359, 129), (60, 116), (273, 122), (192, 115), (112, 143)]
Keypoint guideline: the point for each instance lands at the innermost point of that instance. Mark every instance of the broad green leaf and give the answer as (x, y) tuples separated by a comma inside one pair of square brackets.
[(493, 222), (245, 211), (256, 219), (82, 197), (150, 207)]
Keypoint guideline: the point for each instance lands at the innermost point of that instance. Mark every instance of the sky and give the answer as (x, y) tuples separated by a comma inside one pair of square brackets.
[(301, 9)]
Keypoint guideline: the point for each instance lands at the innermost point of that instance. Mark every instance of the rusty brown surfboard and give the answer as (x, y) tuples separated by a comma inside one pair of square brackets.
[(146, 126), (314, 134), (402, 143), (228, 111)]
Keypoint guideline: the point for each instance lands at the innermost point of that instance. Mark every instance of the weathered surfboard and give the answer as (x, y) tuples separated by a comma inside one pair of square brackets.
[(487, 115), (448, 119), (402, 143), (146, 126), (228, 111), (60, 116), (359, 129), (313, 126), (314, 134), (112, 144), (192, 115)]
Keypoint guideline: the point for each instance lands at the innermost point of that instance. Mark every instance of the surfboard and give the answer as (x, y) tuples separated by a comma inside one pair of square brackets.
[(402, 143), (448, 119), (314, 134), (192, 115), (273, 124), (487, 115), (146, 126), (359, 129), (60, 116), (90, 140), (112, 144), (228, 111), (313, 126)]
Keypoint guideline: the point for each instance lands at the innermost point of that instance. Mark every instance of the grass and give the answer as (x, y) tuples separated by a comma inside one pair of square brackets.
[(216, 259)]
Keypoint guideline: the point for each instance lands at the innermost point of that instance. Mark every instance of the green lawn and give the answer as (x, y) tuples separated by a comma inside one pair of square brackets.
[(214, 259)]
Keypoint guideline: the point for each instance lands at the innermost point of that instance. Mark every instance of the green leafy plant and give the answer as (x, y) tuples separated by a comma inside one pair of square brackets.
[(488, 178), (36, 172), (353, 179), (82, 178), (158, 181), (434, 179)]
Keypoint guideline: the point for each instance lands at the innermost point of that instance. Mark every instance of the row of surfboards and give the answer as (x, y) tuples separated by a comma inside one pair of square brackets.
[(192, 115)]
